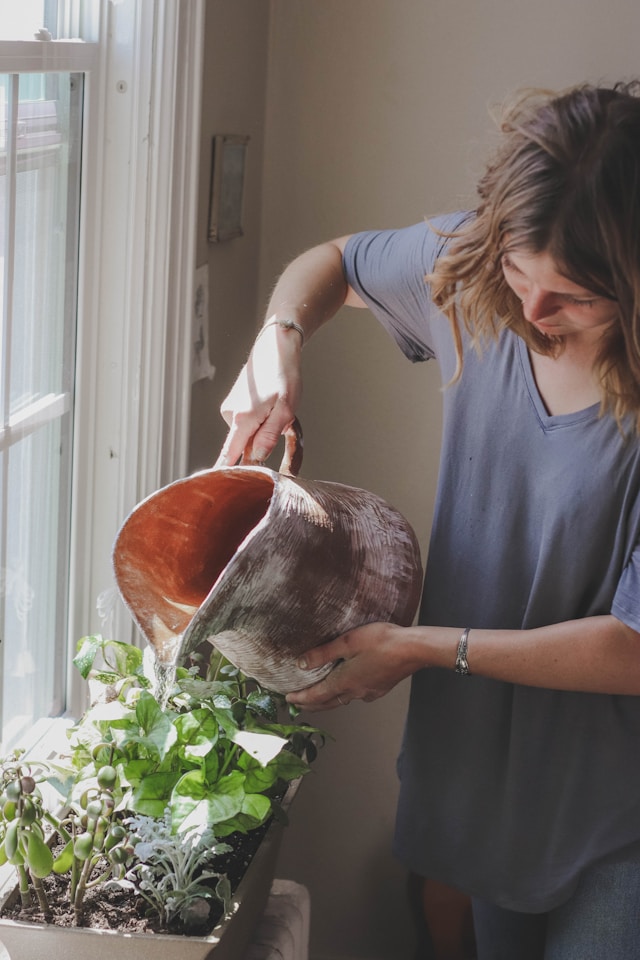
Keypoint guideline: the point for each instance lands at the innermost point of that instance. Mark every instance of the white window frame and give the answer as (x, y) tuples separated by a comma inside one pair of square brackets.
[(143, 67)]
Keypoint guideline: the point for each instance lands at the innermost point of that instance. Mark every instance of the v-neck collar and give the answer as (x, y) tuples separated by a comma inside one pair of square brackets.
[(548, 421)]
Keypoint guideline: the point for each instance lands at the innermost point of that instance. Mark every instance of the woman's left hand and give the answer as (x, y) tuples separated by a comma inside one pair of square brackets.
[(370, 660)]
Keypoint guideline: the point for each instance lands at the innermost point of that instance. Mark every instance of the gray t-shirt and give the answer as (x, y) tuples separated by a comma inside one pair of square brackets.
[(509, 791)]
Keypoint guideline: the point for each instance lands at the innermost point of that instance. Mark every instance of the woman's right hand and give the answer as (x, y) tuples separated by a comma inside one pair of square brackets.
[(263, 400)]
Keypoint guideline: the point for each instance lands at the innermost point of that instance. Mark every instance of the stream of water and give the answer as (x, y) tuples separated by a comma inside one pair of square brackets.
[(164, 676)]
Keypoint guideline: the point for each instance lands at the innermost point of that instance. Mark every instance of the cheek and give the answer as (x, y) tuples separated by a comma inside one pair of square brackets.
[(600, 318), (609, 316)]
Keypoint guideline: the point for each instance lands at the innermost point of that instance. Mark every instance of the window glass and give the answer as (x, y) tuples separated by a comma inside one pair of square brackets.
[(21, 19), (34, 580), (40, 118)]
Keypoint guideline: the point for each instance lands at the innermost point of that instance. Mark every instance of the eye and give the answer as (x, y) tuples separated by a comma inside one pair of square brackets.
[(578, 302)]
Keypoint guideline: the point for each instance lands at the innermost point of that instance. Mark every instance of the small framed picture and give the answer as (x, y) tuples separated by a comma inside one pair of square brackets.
[(227, 186)]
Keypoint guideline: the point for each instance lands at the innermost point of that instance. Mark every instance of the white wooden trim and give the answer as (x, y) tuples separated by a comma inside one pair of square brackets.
[(47, 56), (34, 415), (171, 239), (138, 238), (189, 29)]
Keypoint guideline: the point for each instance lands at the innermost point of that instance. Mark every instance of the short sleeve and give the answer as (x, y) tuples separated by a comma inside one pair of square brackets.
[(626, 602), (387, 269)]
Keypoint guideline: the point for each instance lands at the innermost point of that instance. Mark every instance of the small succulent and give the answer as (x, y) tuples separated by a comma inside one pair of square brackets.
[(89, 833), (22, 827)]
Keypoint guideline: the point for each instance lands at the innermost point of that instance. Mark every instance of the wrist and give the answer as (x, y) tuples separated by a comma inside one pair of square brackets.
[(462, 664), (428, 646), (421, 648), (288, 324)]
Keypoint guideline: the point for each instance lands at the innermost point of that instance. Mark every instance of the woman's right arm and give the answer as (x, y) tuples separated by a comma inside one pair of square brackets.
[(264, 398)]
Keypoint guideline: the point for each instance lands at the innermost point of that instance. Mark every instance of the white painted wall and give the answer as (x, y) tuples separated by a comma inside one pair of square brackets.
[(376, 114)]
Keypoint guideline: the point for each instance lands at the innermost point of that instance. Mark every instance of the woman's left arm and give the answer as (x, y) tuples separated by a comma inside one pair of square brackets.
[(595, 655)]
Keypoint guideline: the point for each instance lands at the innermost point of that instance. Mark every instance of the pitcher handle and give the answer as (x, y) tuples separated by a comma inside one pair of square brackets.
[(292, 457)]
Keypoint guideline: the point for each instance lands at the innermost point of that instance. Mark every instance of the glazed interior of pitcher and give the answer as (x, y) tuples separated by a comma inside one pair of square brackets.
[(175, 545)]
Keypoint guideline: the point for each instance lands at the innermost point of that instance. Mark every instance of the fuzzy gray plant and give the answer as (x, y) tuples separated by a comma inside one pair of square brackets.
[(170, 871)]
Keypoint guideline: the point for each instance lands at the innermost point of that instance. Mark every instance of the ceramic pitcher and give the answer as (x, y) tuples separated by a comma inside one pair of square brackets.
[(265, 565)]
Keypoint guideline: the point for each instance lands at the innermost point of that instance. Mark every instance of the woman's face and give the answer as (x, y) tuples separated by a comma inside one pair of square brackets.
[(555, 305)]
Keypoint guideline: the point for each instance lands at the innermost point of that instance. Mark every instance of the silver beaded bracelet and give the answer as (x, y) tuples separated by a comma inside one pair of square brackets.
[(462, 664), (285, 324)]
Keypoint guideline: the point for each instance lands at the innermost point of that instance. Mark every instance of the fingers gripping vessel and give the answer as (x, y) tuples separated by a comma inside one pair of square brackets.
[(264, 565)]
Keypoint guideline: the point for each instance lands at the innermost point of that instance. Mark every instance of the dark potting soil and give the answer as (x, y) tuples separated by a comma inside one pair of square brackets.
[(117, 909)]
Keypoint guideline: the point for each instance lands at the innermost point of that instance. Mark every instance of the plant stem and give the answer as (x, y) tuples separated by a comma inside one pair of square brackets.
[(57, 825), (73, 882), (42, 897), (78, 900), (227, 760), (23, 886)]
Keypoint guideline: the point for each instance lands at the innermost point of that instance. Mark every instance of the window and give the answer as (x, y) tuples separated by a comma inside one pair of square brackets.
[(40, 125), (97, 239)]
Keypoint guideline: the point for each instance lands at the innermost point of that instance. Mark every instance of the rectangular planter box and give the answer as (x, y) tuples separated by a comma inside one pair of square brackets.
[(228, 940)]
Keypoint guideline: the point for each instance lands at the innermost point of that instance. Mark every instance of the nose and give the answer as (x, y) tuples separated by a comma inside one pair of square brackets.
[(538, 305)]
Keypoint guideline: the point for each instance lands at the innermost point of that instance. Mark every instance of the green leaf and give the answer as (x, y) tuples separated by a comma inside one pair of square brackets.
[(263, 704), (190, 785), (107, 714), (152, 794), (223, 892), (229, 670), (87, 649), (204, 689), (223, 701), (106, 678), (239, 712), (225, 719), (135, 770), (215, 804), (187, 805), (226, 797), (39, 857), (187, 815), (259, 779), (262, 746), (241, 823), (198, 732), (60, 778), (159, 730), (211, 767), (124, 658), (64, 860), (288, 766), (257, 806)]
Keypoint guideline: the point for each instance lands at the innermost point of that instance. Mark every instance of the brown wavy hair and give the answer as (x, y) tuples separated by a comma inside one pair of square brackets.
[(566, 181)]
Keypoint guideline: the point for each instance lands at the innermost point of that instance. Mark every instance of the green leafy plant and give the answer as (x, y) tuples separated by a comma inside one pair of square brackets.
[(161, 768), (210, 750)]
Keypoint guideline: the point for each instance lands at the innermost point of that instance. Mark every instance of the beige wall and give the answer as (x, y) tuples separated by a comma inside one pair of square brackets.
[(234, 101), (376, 114)]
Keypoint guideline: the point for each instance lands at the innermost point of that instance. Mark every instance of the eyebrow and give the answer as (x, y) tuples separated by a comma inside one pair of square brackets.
[(586, 295)]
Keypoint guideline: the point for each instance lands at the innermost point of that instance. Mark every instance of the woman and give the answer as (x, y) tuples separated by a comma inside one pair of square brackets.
[(520, 772)]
